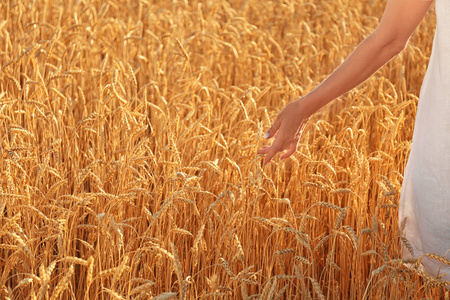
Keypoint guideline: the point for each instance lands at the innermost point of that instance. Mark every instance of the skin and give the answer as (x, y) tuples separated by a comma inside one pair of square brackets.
[(400, 19)]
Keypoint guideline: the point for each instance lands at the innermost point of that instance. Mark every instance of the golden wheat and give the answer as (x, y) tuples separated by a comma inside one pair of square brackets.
[(129, 132)]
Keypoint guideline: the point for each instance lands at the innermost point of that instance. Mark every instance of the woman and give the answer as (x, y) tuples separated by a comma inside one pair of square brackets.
[(425, 195)]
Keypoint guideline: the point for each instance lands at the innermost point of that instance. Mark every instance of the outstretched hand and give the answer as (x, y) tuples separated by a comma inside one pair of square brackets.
[(287, 127)]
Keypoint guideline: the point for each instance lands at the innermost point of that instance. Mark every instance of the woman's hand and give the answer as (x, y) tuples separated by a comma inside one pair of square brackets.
[(400, 19), (288, 127)]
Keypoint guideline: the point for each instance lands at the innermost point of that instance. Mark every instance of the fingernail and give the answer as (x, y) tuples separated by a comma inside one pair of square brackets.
[(266, 135)]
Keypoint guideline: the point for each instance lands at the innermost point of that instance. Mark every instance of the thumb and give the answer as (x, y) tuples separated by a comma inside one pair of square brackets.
[(273, 129)]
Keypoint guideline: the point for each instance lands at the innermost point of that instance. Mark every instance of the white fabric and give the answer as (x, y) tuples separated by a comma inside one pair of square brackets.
[(425, 194)]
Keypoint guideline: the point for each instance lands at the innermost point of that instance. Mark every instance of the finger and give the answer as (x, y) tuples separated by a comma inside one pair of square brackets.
[(273, 150), (263, 148), (269, 157), (262, 151), (290, 151), (274, 128)]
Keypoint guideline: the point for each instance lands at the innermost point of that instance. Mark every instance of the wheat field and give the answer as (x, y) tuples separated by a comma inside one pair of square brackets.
[(129, 132)]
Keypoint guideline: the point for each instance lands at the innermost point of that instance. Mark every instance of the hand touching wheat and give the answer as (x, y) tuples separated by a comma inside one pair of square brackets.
[(288, 127)]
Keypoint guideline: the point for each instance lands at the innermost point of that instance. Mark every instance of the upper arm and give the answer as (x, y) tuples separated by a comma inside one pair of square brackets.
[(400, 19)]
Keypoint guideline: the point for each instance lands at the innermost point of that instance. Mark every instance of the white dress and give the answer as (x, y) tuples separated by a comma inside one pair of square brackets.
[(425, 194)]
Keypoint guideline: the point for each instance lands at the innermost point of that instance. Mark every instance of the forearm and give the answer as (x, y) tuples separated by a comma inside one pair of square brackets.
[(370, 55)]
